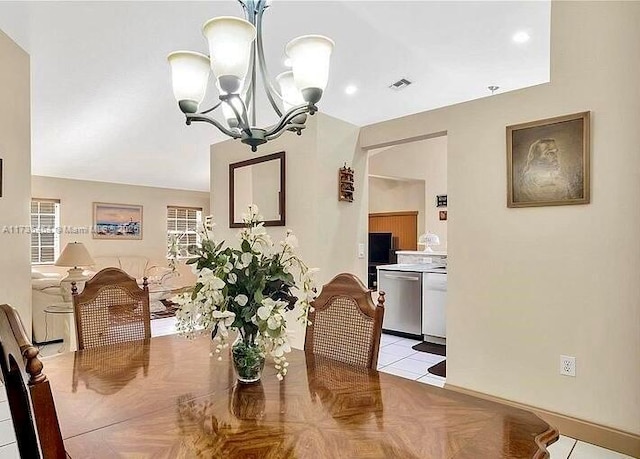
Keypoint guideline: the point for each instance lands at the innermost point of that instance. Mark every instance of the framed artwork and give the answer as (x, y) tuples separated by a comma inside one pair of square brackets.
[(441, 200), (117, 221), (0, 177), (548, 162), (442, 215)]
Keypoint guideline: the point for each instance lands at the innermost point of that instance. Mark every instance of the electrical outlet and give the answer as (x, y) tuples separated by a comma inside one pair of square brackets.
[(567, 365), (361, 251)]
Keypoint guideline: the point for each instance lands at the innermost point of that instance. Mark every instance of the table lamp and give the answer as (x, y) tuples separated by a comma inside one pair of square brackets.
[(428, 239), (74, 255)]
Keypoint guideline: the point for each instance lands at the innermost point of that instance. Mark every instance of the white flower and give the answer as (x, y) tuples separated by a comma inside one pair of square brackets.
[(225, 317), (224, 320), (210, 280), (232, 278), (273, 322), (241, 299), (291, 240), (246, 258), (282, 349), (264, 312)]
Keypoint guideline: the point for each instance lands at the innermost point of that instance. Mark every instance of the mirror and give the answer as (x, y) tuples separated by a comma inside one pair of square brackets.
[(259, 181)]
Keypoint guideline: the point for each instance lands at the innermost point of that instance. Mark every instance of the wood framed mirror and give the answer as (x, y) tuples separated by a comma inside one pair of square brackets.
[(259, 181)]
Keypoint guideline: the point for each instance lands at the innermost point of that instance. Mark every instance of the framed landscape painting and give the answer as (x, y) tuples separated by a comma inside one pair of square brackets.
[(117, 221), (548, 162)]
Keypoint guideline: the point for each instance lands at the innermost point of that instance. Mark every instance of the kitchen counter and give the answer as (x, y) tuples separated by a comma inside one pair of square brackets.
[(415, 268)]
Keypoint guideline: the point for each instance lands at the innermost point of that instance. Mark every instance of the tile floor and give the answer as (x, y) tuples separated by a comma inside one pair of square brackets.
[(396, 357)]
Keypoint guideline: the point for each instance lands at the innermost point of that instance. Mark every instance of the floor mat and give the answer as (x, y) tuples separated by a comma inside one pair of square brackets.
[(431, 348), (439, 369)]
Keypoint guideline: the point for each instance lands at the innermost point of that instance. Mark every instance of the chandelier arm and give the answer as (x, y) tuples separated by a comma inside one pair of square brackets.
[(293, 126), (264, 73), (253, 86), (207, 119), (242, 118), (211, 109), (286, 119)]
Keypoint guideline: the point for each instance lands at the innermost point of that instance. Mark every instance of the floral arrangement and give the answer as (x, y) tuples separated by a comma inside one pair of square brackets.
[(248, 289)]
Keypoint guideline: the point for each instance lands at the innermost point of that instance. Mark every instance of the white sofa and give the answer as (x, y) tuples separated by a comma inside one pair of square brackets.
[(45, 289)]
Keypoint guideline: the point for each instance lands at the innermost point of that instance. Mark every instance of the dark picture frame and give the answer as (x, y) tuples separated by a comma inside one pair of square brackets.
[(0, 177), (548, 162), (442, 215), (282, 207), (441, 200)]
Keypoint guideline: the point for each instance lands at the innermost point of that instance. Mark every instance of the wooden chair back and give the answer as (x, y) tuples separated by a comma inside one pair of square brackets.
[(111, 309), (345, 323), (35, 420)]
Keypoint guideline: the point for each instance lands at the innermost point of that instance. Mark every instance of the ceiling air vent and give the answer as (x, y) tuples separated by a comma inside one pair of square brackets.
[(400, 84)]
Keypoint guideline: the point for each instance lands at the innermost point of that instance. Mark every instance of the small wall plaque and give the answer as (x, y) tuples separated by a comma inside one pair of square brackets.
[(442, 214), (441, 200)]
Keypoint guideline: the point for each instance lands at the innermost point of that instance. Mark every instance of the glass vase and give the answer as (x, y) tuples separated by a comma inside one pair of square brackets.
[(248, 361)]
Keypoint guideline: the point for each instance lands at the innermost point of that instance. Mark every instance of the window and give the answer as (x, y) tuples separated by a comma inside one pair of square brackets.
[(45, 238), (182, 230)]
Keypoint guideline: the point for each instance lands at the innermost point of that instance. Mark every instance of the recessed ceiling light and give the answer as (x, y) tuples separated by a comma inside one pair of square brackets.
[(521, 37), (287, 62), (351, 89)]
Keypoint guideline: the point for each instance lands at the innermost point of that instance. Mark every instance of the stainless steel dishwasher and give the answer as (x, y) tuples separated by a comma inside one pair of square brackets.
[(403, 301)]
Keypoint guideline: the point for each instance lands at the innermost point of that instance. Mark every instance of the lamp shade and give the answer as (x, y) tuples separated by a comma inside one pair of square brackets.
[(75, 254), (291, 95), (310, 57), (230, 40), (190, 75)]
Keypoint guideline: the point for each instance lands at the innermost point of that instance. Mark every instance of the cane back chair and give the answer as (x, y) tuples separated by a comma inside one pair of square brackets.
[(345, 323), (33, 411), (111, 309)]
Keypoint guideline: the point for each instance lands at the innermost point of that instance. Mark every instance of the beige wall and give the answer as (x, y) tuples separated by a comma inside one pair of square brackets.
[(313, 210), (391, 195), (424, 160), (76, 210), (15, 151), (526, 285)]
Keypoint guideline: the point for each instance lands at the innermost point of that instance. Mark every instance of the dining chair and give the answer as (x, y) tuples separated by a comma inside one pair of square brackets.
[(31, 405), (111, 309), (345, 323)]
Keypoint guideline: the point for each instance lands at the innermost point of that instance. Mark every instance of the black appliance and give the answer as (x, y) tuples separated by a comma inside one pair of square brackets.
[(381, 252)]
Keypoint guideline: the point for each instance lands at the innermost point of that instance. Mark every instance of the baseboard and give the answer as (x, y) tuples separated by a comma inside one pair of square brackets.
[(607, 437)]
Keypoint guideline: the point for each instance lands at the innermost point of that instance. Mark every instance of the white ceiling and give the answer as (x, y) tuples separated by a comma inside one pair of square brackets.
[(103, 109)]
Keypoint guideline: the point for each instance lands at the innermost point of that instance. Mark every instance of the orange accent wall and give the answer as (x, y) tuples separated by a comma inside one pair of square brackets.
[(403, 226)]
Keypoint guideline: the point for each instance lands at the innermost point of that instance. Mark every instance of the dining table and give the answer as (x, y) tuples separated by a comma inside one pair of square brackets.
[(172, 397)]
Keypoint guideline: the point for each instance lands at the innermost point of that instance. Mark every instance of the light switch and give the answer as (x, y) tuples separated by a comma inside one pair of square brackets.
[(360, 250)]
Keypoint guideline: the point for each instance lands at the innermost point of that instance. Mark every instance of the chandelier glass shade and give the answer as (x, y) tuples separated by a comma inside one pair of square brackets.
[(236, 56)]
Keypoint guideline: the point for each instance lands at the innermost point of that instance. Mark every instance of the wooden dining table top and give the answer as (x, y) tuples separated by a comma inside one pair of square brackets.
[(167, 397)]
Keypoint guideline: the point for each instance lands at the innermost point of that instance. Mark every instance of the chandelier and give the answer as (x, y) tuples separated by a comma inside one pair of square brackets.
[(235, 55)]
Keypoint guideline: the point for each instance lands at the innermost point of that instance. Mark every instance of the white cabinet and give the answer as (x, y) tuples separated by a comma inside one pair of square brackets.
[(434, 301)]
